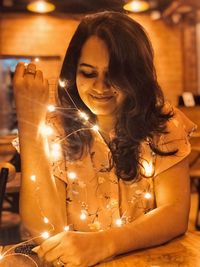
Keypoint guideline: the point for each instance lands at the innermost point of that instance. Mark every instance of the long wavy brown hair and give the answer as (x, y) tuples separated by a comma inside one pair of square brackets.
[(131, 69)]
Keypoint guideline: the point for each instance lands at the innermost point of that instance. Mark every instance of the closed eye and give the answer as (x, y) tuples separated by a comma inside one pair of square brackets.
[(88, 74)]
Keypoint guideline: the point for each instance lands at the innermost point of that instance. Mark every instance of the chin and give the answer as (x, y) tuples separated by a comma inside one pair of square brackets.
[(102, 112)]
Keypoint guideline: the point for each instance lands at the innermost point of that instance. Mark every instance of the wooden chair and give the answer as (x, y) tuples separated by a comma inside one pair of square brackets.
[(193, 113), (195, 175), (9, 221)]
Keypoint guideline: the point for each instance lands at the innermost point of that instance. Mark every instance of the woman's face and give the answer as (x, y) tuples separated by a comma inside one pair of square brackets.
[(92, 79)]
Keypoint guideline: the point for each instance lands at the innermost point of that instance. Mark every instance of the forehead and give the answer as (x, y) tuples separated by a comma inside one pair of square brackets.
[(94, 52)]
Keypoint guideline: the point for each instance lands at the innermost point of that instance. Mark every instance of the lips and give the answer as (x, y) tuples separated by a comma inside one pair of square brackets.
[(101, 97)]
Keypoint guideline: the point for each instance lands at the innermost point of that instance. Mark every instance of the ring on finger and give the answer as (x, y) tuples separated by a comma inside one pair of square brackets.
[(30, 71), (60, 263)]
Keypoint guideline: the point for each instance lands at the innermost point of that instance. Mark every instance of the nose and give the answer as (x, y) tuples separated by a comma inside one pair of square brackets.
[(101, 85)]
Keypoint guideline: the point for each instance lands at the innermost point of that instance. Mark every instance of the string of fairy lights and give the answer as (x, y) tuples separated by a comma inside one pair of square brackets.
[(54, 152)]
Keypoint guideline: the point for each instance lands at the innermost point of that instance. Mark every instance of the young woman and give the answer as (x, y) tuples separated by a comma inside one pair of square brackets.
[(113, 186)]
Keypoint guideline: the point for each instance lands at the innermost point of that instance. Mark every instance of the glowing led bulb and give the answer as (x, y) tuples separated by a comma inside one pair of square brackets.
[(62, 83), (83, 215), (147, 195), (84, 115), (72, 175), (55, 151), (95, 128), (148, 168), (51, 108), (37, 59), (1, 256), (55, 146), (46, 220), (45, 235), (33, 178), (118, 222), (66, 228), (46, 130)]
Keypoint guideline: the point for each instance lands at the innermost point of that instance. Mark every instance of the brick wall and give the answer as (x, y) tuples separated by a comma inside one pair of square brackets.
[(22, 34)]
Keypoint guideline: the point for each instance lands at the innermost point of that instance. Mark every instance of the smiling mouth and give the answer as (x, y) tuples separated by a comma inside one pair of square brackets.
[(102, 97)]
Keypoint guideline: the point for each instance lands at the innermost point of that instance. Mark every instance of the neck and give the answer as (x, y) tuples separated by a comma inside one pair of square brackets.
[(106, 125)]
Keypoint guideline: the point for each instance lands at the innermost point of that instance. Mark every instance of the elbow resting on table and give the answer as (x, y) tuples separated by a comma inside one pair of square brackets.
[(180, 216)]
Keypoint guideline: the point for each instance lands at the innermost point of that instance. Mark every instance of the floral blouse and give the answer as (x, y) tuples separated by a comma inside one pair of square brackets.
[(95, 198)]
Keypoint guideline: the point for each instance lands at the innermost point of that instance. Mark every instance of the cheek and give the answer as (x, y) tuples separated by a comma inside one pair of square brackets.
[(120, 98), (79, 83), (82, 85), (82, 88)]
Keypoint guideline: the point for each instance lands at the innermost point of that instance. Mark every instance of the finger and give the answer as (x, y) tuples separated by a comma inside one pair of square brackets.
[(48, 244), (39, 75), (30, 71), (19, 70), (46, 84), (31, 66), (57, 263), (36, 249), (54, 254)]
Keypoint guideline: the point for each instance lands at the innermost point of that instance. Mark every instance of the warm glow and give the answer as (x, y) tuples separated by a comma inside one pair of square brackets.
[(147, 195), (71, 175), (95, 128), (84, 115), (66, 228), (51, 108), (46, 130), (137, 6), (1, 256), (40, 7), (55, 147), (33, 178), (148, 168), (37, 59), (62, 83), (45, 235), (83, 215), (46, 220), (118, 222), (55, 151)]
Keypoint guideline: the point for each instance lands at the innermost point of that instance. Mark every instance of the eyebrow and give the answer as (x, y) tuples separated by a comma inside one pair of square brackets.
[(87, 65)]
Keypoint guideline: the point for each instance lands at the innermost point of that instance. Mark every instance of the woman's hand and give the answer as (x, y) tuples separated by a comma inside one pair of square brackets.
[(75, 248), (31, 94)]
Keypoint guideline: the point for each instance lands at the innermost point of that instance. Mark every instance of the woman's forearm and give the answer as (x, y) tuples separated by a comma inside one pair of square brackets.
[(167, 221), (155, 228), (39, 198)]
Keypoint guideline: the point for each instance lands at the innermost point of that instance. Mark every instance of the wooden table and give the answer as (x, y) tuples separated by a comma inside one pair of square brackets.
[(181, 252)]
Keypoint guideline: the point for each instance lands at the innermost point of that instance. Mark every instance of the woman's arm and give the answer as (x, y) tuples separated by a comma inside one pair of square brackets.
[(39, 198), (162, 224), (168, 220)]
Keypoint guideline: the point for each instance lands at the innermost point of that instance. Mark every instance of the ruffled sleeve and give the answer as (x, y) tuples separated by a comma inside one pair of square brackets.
[(179, 130), (55, 141)]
